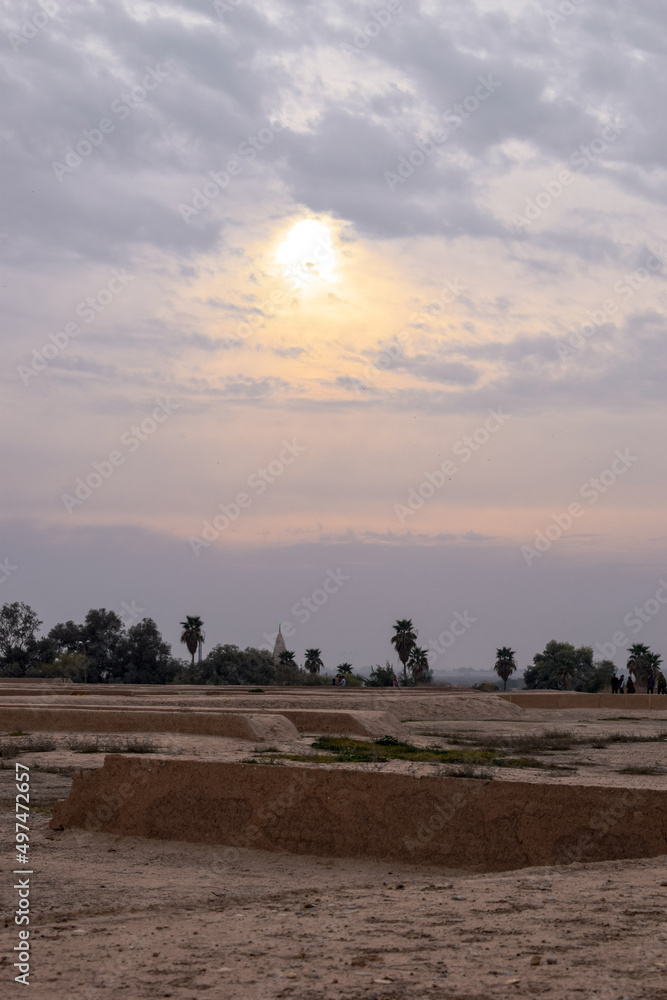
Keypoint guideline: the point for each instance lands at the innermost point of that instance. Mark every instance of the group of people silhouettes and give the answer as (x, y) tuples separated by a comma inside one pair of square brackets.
[(620, 686)]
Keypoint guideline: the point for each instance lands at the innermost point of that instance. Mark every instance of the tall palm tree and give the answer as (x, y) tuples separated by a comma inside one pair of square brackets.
[(418, 663), (403, 640), (192, 634), (344, 668), (639, 661), (505, 664), (287, 656), (652, 661), (313, 660)]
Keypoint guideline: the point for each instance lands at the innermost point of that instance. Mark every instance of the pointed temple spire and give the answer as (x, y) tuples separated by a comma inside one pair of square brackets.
[(280, 646)]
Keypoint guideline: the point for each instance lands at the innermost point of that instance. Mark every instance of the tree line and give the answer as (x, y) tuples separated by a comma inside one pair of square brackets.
[(102, 649)]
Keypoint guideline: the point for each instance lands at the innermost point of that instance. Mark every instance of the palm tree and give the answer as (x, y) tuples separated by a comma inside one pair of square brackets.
[(287, 656), (313, 660), (652, 661), (418, 663), (505, 664), (403, 640), (343, 668), (639, 661), (192, 634)]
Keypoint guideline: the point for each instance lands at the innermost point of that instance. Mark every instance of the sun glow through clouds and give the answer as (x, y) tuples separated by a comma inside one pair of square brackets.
[(307, 255)]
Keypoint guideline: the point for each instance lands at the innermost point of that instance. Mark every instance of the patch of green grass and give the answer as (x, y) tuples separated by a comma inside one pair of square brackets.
[(256, 691)]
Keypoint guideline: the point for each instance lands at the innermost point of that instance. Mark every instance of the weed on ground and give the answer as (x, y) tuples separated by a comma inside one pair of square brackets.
[(345, 750), (644, 769), (15, 744), (112, 744), (549, 740)]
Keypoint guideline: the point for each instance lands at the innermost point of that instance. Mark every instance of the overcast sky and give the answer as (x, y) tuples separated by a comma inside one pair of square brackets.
[(381, 287)]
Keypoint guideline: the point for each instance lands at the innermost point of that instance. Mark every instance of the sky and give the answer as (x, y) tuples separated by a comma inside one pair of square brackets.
[(337, 313)]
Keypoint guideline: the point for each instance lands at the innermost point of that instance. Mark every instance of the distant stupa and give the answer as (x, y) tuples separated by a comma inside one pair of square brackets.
[(280, 646)]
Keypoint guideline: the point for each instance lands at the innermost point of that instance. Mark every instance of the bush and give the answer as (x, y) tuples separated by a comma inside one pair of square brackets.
[(381, 676)]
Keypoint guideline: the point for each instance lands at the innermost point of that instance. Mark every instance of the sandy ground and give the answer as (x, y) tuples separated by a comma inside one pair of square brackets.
[(135, 918), (131, 918)]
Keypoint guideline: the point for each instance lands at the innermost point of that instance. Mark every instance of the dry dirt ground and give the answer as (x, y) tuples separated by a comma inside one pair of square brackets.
[(130, 918)]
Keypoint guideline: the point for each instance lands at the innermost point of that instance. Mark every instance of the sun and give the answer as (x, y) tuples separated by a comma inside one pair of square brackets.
[(307, 255)]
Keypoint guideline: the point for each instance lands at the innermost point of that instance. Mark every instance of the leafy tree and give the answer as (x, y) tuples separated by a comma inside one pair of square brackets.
[(102, 636), (403, 640), (72, 666), (68, 637), (381, 676), (18, 624), (560, 664), (313, 661), (230, 665), (418, 664), (192, 634), (505, 664), (603, 671), (146, 657)]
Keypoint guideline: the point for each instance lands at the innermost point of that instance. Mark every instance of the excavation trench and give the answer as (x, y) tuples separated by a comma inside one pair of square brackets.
[(456, 822)]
